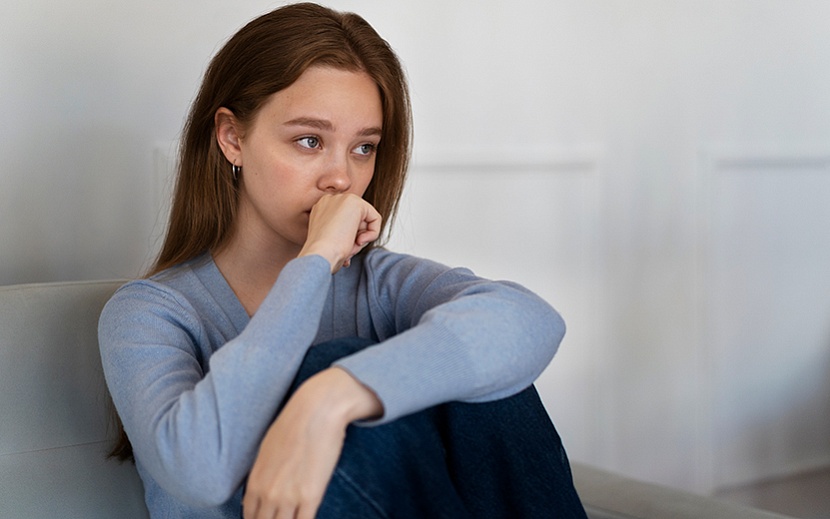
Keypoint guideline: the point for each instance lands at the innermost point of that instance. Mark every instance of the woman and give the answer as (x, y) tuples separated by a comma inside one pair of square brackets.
[(229, 365)]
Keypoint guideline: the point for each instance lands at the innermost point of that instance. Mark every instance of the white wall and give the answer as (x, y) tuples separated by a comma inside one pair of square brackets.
[(658, 170)]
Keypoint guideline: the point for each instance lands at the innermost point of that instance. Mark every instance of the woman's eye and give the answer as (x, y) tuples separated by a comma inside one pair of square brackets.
[(309, 142), (365, 149)]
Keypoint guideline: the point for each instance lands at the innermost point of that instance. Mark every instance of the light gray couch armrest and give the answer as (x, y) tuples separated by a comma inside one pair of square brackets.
[(612, 496)]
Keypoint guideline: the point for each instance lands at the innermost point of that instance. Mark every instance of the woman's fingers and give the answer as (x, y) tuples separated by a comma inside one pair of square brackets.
[(339, 227)]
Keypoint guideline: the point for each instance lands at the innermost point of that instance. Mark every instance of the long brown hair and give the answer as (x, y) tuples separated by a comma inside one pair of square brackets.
[(268, 55)]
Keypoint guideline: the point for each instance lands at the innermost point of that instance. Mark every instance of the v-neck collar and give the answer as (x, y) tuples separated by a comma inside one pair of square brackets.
[(218, 287)]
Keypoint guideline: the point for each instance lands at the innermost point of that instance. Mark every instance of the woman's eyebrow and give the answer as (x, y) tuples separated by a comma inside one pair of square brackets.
[(369, 132), (323, 124), (320, 124)]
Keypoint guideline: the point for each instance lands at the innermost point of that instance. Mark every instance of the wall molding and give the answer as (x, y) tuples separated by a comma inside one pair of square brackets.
[(578, 158), (721, 159)]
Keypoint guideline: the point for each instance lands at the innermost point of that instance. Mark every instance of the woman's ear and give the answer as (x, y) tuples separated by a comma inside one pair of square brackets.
[(228, 135)]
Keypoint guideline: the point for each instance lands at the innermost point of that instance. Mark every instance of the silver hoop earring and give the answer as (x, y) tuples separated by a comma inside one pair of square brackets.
[(235, 170)]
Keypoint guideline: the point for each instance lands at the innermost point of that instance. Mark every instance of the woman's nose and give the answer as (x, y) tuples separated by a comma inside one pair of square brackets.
[(336, 177)]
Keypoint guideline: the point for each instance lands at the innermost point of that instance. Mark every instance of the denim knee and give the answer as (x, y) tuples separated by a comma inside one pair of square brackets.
[(322, 356)]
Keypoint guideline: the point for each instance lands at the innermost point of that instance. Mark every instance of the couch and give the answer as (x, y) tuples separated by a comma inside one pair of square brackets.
[(55, 427)]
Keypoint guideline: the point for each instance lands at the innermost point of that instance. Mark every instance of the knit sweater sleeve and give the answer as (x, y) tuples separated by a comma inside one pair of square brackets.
[(197, 432), (447, 335)]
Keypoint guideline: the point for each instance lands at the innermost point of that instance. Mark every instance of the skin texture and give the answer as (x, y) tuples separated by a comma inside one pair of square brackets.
[(306, 158)]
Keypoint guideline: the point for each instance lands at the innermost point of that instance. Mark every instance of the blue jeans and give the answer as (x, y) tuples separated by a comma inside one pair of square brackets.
[(500, 459)]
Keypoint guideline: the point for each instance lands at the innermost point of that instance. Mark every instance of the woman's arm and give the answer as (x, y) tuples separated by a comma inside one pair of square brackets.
[(298, 454), (448, 335), (196, 431)]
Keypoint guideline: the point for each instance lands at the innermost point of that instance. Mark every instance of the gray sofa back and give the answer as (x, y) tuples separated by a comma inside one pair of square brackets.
[(54, 422)]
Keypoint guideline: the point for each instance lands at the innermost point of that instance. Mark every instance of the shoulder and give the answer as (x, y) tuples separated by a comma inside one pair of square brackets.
[(165, 296), (382, 264), (402, 281), (427, 284)]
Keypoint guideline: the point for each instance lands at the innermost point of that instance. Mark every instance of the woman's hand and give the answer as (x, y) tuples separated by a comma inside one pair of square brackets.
[(339, 227), (298, 454)]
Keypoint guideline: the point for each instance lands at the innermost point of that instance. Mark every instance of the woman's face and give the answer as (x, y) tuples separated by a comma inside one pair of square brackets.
[(318, 136)]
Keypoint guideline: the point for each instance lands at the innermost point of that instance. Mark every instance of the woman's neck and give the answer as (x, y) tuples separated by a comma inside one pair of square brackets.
[(251, 270)]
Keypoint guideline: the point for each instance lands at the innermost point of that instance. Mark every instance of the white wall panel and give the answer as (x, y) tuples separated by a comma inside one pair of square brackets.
[(534, 221), (767, 312)]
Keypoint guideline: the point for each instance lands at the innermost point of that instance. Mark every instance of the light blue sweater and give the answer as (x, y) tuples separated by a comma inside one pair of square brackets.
[(197, 382)]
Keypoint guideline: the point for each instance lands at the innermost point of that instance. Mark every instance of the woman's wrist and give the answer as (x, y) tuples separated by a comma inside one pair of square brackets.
[(329, 256), (337, 394)]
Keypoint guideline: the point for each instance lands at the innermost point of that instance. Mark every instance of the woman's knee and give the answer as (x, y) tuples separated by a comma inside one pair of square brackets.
[(322, 356)]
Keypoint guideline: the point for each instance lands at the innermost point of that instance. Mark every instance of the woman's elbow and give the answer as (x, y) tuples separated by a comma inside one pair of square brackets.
[(192, 476), (542, 326), (203, 489)]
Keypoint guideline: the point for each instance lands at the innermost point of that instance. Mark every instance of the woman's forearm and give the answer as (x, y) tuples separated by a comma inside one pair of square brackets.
[(298, 454)]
